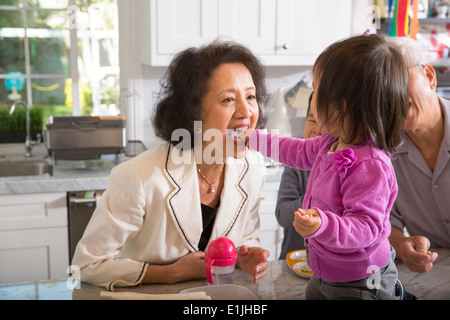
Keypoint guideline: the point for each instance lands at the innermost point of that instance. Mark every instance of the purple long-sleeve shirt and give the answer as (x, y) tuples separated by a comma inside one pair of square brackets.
[(353, 190)]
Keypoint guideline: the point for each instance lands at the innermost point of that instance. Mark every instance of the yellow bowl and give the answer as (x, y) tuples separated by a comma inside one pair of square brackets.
[(297, 261)]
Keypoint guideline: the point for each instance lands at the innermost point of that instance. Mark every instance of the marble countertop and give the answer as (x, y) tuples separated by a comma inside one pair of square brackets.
[(78, 175), (68, 175), (282, 283), (433, 285)]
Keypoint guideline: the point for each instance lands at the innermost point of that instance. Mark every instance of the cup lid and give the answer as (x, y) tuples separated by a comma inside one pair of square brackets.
[(222, 251)]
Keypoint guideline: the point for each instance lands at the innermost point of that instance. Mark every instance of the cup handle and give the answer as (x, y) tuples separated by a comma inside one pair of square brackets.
[(209, 263)]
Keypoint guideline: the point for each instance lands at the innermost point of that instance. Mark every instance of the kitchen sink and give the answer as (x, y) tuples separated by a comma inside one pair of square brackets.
[(24, 167)]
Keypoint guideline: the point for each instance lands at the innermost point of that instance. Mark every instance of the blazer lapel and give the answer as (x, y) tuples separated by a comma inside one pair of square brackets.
[(233, 197), (183, 202)]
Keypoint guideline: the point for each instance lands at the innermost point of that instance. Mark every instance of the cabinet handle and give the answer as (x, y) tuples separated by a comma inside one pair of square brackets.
[(82, 200), (286, 46)]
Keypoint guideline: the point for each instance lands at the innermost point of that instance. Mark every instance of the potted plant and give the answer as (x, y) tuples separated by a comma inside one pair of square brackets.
[(13, 127)]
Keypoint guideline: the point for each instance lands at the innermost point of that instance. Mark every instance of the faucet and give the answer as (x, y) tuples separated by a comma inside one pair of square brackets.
[(29, 143)]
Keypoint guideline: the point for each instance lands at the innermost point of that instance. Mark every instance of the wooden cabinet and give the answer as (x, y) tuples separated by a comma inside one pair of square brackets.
[(33, 237), (281, 32)]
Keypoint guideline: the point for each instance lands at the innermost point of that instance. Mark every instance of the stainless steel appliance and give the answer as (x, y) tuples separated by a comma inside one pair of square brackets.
[(81, 206), (80, 138)]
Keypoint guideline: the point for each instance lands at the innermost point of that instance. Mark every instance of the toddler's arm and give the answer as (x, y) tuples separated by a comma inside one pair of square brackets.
[(294, 152)]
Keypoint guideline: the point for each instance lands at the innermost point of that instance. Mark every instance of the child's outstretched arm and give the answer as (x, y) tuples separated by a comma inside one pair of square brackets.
[(294, 152)]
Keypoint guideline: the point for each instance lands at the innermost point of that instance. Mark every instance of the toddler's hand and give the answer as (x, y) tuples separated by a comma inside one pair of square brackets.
[(307, 221)]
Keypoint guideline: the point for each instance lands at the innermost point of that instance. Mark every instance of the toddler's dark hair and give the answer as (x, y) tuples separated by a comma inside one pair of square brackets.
[(363, 85)]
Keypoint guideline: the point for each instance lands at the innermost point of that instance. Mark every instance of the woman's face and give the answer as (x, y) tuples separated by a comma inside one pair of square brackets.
[(230, 107)]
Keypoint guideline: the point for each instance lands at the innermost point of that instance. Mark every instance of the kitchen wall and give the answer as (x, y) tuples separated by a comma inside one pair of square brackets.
[(139, 82)]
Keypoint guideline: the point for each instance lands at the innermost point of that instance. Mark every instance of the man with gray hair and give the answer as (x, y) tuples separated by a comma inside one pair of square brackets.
[(422, 166)]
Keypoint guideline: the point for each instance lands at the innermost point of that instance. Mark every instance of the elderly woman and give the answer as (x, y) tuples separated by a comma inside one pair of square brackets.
[(163, 207)]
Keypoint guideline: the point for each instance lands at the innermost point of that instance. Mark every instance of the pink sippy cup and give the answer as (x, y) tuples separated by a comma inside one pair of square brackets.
[(220, 260)]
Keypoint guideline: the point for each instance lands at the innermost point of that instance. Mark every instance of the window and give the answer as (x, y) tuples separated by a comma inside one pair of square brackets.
[(61, 55)]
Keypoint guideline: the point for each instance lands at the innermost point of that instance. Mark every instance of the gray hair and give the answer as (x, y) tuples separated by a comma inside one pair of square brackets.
[(409, 49)]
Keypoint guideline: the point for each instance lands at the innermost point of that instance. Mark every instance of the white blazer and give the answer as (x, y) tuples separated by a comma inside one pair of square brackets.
[(151, 214)]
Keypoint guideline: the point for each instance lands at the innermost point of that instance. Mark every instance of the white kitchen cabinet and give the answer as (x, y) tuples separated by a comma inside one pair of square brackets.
[(305, 28), (175, 25), (251, 22), (33, 237), (270, 233), (178, 24), (280, 32)]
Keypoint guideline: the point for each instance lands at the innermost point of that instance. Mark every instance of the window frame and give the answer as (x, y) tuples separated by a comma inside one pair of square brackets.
[(73, 56)]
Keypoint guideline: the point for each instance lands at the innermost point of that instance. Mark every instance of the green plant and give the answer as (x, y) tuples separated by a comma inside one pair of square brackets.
[(17, 121)]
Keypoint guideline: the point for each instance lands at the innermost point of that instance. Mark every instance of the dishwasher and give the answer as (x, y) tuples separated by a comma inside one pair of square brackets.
[(81, 206)]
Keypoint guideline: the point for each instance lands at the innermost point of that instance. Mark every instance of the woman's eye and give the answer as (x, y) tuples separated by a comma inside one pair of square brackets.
[(229, 99), (251, 97)]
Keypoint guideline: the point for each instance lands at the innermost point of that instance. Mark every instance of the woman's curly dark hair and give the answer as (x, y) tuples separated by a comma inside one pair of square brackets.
[(179, 102)]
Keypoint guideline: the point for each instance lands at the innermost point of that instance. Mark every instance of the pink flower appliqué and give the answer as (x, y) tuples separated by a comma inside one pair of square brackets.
[(344, 160)]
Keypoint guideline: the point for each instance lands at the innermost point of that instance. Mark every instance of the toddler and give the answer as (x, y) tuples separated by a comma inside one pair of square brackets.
[(360, 101)]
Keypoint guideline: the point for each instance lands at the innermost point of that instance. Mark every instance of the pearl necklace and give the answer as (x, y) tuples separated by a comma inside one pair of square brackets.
[(211, 185)]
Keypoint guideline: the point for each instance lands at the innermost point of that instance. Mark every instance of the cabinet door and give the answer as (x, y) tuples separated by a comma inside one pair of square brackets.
[(33, 254), (250, 22), (306, 28), (270, 233), (33, 237), (280, 32), (27, 211), (179, 24)]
